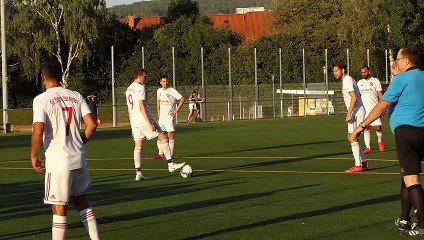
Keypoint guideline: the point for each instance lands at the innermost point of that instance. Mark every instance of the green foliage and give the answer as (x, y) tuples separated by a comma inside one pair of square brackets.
[(60, 29), (187, 37), (182, 8), (160, 7)]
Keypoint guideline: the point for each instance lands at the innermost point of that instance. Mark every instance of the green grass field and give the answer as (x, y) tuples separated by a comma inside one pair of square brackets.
[(264, 179)]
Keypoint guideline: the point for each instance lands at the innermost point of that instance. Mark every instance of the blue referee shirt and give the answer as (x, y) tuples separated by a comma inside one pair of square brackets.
[(406, 93)]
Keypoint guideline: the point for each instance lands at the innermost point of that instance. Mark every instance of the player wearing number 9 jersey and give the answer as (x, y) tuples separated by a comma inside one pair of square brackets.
[(143, 125), (57, 115)]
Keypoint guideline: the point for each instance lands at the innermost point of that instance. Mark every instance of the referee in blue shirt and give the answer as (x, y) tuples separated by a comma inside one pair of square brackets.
[(404, 100)]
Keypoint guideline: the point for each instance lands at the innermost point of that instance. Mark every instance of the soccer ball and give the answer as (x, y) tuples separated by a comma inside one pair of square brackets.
[(186, 171)]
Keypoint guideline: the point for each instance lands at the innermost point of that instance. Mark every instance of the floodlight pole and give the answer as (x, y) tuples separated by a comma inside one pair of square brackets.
[(281, 86), (304, 82), (142, 57), (347, 60), (230, 90), (4, 67), (368, 57), (387, 70), (203, 104), (114, 112), (256, 86), (173, 68), (326, 80)]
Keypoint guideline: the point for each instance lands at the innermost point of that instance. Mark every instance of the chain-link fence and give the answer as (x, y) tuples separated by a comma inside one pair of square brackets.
[(307, 91)]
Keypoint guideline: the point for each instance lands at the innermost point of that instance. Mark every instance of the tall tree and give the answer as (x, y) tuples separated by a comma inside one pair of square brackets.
[(180, 8), (55, 28)]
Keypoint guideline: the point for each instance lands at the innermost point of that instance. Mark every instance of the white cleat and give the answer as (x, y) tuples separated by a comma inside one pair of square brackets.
[(175, 166), (139, 177)]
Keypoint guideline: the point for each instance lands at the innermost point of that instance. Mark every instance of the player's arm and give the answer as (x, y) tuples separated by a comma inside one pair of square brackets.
[(90, 127), (375, 113), (180, 104), (144, 113), (353, 100), (380, 96), (36, 140), (158, 108)]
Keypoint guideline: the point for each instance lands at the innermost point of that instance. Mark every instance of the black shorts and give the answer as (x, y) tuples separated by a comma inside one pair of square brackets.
[(409, 148)]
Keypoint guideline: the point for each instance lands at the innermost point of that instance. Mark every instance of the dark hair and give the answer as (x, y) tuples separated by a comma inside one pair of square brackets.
[(52, 70), (365, 66), (163, 76), (139, 72), (341, 65), (412, 53)]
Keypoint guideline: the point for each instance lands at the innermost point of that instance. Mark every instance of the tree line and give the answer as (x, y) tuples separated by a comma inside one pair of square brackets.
[(80, 36), (160, 7)]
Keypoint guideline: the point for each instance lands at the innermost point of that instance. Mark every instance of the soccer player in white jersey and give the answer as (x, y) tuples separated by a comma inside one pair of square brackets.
[(371, 94), (355, 114), (56, 123), (143, 125), (167, 109)]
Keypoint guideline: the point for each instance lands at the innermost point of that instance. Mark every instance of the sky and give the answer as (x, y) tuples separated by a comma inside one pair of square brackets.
[(111, 3)]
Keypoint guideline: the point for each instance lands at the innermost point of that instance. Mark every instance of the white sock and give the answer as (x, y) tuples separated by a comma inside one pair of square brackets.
[(171, 146), (367, 138), (356, 151), (59, 225), (137, 157), (160, 152), (164, 145), (88, 218), (379, 136)]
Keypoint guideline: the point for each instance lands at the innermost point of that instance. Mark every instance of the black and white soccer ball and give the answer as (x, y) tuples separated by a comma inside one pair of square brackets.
[(186, 171)]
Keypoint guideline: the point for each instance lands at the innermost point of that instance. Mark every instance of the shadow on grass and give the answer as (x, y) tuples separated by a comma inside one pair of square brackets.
[(279, 161), (315, 213), (102, 194), (193, 205), (271, 147)]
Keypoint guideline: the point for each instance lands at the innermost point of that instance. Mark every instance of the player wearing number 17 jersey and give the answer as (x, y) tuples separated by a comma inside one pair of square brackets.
[(143, 125), (56, 123), (371, 94)]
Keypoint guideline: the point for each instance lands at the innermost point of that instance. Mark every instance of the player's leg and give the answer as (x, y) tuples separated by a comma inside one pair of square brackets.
[(171, 140), (367, 140), (160, 154), (57, 192), (379, 133), (59, 221), (358, 155), (138, 146), (409, 147), (190, 114), (403, 222), (172, 167), (80, 185)]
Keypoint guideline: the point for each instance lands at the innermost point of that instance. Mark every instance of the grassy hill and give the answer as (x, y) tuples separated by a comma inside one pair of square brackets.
[(160, 7)]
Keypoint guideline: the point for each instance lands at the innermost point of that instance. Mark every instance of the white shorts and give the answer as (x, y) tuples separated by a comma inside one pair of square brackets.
[(59, 186), (167, 126), (377, 122), (139, 133), (192, 105), (356, 119)]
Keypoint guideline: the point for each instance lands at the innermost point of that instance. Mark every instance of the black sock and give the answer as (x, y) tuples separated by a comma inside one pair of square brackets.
[(138, 169), (416, 194), (405, 202)]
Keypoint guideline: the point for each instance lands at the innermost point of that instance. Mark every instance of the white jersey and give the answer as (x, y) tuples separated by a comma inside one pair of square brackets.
[(167, 98), (369, 92), (61, 110), (350, 85), (134, 94)]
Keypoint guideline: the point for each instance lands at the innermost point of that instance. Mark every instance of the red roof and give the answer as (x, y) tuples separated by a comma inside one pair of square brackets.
[(251, 25)]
